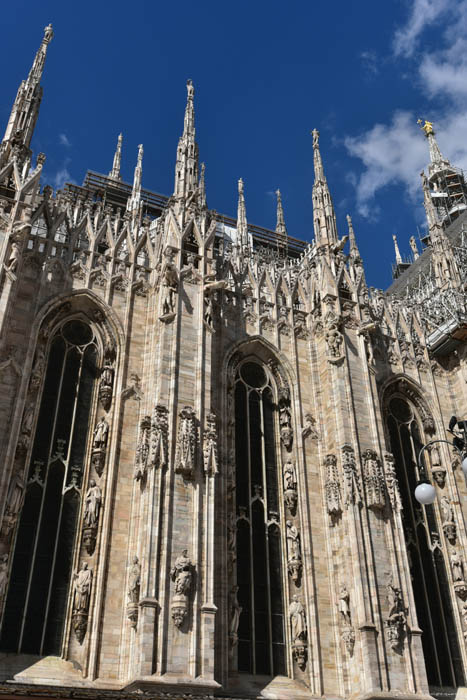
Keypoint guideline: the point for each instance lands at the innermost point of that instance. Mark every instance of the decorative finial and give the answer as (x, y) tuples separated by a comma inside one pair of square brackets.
[(189, 88), (140, 153), (427, 126), (315, 134), (240, 186), (281, 229)]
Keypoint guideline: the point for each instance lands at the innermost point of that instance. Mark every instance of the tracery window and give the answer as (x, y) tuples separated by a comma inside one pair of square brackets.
[(259, 549), (36, 601), (428, 569)]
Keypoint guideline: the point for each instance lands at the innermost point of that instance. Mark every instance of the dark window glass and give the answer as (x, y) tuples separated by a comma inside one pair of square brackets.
[(41, 571)]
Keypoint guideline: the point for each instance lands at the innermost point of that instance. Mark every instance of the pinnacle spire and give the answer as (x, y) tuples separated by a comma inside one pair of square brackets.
[(135, 199), (202, 188), (186, 168), (323, 209), (281, 229), (354, 252), (115, 172), (23, 117), (242, 225), (396, 248), (437, 160)]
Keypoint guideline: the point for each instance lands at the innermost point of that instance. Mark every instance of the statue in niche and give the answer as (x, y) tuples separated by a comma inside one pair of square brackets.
[(169, 288), (93, 501), (101, 432), (457, 567), (299, 631), (293, 541), (290, 486), (396, 621), (344, 604), (15, 256), (82, 589), (334, 340), (449, 526), (309, 429), (106, 385), (134, 581), (392, 485), (38, 368), (181, 573)]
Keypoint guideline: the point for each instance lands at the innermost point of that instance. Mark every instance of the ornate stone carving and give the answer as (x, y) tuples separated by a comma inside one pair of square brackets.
[(438, 471), (457, 567), (309, 429), (3, 575), (397, 617), (294, 555), (231, 542), (134, 585), (82, 584), (92, 506), (352, 490), (38, 369), (99, 445), (449, 526), (14, 502), (142, 449), (106, 385), (392, 485), (299, 631), (348, 637), (374, 481), (285, 421), (210, 457), (159, 437), (185, 454), (332, 487), (235, 612), (290, 486), (182, 576)]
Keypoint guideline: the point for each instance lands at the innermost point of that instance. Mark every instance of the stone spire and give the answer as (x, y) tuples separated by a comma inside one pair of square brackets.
[(25, 110), (281, 229), (186, 169), (437, 160), (202, 188), (115, 172), (242, 225), (430, 209), (396, 248), (323, 210), (135, 199)]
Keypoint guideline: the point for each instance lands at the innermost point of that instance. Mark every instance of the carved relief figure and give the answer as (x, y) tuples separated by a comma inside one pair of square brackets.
[(106, 385), (14, 501), (159, 437), (210, 446), (142, 449), (396, 621), (15, 256), (3, 574), (309, 429), (334, 342), (182, 576)]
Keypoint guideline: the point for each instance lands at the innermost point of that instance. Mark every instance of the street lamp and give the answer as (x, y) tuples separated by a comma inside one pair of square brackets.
[(425, 491)]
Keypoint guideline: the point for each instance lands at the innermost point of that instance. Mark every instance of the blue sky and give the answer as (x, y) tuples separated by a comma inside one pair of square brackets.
[(265, 74)]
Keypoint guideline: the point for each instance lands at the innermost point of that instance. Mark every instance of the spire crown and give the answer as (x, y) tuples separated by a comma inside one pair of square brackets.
[(242, 225), (115, 172), (281, 228), (397, 251)]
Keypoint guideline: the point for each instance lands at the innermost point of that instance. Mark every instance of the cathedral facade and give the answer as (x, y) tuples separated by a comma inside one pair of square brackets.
[(211, 437)]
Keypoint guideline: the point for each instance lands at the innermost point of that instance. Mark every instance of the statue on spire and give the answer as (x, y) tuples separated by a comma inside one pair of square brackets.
[(427, 126)]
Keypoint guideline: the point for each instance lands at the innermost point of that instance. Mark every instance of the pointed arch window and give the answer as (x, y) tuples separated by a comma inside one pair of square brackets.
[(36, 601), (427, 566), (261, 635)]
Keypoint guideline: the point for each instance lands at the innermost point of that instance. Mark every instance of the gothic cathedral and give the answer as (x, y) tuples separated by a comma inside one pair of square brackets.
[(210, 438)]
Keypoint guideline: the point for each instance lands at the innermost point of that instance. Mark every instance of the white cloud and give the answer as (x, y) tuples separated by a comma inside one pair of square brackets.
[(395, 153), (423, 14), (63, 140), (62, 176)]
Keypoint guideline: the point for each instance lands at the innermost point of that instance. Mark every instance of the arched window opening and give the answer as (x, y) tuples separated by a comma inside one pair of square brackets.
[(427, 566), (261, 635), (37, 597)]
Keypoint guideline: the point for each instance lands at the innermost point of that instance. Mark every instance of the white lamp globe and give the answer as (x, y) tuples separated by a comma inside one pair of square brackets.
[(425, 493), (464, 466)]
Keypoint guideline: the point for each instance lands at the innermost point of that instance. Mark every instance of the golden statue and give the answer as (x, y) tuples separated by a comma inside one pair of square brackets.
[(427, 127)]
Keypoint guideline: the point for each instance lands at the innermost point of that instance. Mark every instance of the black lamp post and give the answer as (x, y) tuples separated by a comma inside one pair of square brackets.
[(425, 491)]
